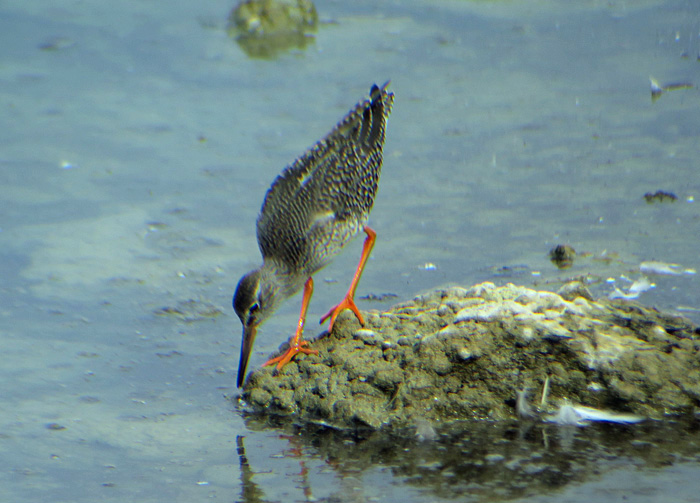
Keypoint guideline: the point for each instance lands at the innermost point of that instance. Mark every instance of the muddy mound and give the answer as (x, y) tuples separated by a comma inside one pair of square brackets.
[(462, 353)]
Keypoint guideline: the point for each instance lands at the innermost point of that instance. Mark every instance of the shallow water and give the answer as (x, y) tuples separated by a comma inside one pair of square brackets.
[(138, 142)]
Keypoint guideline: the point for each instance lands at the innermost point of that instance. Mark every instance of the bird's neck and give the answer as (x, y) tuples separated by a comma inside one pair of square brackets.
[(285, 280)]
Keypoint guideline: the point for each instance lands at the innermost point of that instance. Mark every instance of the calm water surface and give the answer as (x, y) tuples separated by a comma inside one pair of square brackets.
[(137, 142)]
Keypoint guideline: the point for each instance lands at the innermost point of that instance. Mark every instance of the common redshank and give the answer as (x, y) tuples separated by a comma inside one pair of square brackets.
[(313, 209)]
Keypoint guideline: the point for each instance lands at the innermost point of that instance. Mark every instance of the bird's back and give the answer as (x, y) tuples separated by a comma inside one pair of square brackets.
[(324, 198)]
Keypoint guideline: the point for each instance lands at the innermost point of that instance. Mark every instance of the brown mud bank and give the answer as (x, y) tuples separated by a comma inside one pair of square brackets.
[(459, 353)]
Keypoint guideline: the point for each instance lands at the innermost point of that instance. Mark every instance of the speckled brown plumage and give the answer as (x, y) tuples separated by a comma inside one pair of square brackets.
[(313, 208)]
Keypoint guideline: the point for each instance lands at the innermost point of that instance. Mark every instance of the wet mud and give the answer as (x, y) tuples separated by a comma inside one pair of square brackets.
[(466, 353)]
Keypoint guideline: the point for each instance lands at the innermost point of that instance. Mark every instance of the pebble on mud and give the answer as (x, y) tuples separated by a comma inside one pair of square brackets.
[(460, 353)]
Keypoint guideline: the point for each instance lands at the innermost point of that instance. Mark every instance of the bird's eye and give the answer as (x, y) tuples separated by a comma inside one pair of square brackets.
[(252, 313)]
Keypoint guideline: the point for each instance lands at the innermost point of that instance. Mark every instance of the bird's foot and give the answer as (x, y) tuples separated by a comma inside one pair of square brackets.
[(346, 303), (286, 357)]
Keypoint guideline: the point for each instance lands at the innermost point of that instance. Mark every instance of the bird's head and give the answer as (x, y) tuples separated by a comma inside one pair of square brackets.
[(256, 298)]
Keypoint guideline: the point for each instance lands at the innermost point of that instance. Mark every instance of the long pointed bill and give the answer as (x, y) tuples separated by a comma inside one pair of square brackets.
[(246, 347)]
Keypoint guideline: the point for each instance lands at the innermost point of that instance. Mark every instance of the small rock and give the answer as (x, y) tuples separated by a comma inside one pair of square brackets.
[(367, 336), (575, 289), (562, 256), (464, 354)]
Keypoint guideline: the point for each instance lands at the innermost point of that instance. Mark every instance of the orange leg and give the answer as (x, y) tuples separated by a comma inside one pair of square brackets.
[(349, 301), (296, 344)]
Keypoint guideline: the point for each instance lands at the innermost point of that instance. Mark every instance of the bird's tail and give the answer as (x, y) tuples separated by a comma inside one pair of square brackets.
[(375, 113)]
